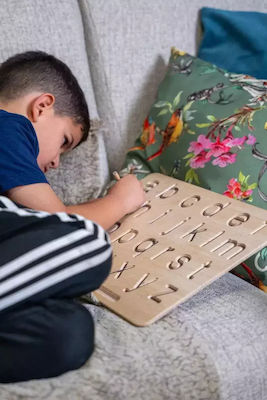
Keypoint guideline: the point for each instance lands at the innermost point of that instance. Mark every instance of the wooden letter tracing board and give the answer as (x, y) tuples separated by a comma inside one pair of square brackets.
[(180, 240)]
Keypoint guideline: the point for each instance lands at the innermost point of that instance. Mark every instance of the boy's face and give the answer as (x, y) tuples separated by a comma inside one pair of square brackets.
[(56, 135)]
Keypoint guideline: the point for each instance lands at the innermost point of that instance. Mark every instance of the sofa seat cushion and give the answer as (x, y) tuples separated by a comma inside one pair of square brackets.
[(210, 347)]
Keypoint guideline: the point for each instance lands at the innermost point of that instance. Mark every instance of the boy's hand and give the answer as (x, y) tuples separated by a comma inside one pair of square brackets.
[(128, 192)]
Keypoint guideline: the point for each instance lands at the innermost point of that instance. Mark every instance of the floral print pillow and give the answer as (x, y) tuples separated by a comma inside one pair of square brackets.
[(208, 127)]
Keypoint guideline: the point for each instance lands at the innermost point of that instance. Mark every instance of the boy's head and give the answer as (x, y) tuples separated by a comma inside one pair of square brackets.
[(44, 89)]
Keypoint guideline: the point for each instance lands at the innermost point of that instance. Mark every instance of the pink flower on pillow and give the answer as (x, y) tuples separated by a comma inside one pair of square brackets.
[(221, 150), (225, 159), (231, 184), (228, 194), (217, 148), (239, 142), (200, 160), (251, 139), (238, 191), (247, 193), (202, 143)]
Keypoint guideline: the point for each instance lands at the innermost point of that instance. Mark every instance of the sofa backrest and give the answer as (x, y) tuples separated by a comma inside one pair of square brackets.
[(117, 49), (57, 28), (128, 46)]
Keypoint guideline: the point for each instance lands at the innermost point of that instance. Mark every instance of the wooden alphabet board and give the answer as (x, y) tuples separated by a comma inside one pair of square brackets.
[(180, 240)]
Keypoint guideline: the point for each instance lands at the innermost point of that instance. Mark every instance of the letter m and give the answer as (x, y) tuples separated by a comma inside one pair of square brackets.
[(228, 246)]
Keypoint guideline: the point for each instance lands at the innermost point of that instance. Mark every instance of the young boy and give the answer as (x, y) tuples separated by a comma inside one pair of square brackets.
[(53, 255)]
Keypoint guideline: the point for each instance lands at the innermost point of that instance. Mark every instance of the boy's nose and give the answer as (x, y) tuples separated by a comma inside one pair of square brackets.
[(55, 163)]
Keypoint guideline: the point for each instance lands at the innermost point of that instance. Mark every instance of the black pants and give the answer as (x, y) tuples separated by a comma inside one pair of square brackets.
[(46, 261)]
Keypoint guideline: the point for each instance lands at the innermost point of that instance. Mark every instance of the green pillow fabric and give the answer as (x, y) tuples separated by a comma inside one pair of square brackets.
[(208, 127)]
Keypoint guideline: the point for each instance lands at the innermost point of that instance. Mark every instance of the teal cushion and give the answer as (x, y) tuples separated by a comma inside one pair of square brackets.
[(235, 40)]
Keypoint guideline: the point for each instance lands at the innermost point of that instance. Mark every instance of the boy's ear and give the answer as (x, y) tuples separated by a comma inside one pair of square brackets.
[(41, 105)]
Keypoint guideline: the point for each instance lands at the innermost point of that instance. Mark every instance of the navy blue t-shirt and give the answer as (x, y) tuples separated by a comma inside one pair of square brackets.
[(18, 152)]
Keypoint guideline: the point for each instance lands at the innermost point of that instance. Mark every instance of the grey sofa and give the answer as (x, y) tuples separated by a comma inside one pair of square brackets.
[(211, 347)]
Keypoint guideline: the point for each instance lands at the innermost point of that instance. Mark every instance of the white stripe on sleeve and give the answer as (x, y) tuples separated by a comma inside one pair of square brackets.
[(54, 279)]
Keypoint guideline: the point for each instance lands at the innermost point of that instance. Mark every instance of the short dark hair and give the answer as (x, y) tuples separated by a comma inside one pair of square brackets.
[(37, 70)]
